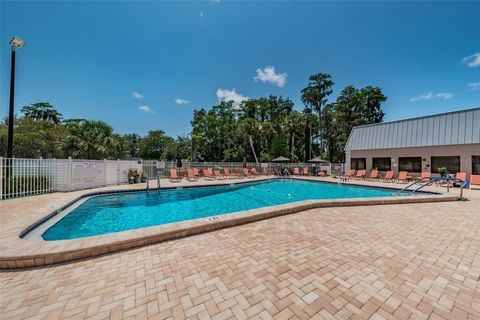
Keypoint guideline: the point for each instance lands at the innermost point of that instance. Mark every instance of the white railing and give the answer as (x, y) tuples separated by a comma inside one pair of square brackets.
[(24, 177)]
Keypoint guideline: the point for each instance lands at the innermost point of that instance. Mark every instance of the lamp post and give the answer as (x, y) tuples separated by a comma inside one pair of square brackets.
[(15, 43)]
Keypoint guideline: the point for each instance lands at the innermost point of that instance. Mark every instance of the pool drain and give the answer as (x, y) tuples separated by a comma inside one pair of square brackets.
[(213, 218)]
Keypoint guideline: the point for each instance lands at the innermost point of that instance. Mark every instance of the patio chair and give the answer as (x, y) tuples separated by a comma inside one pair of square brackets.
[(462, 176), (191, 175), (475, 181), (276, 171), (388, 177), (349, 174), (296, 171), (402, 177), (425, 176), (265, 171), (253, 171), (305, 171), (360, 174), (174, 176), (207, 174), (237, 174), (196, 173), (228, 174), (247, 173), (218, 175), (373, 175)]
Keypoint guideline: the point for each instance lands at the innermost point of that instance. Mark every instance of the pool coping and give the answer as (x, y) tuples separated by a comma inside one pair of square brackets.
[(22, 253)]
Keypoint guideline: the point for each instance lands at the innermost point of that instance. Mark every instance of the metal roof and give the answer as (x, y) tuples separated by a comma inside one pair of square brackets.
[(458, 127)]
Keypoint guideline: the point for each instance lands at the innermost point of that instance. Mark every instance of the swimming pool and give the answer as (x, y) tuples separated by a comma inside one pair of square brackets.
[(119, 212)]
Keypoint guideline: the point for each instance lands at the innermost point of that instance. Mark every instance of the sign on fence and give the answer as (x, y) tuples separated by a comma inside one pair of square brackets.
[(161, 165), (88, 174)]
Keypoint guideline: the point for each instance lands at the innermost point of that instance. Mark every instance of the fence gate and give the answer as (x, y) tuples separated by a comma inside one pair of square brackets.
[(22, 177)]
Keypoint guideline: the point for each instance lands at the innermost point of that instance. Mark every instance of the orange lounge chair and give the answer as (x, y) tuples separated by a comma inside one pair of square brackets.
[(218, 175), (236, 174), (174, 176), (207, 174), (228, 174), (425, 175), (475, 181), (191, 175), (360, 174), (388, 176), (276, 171), (349, 174), (305, 171), (254, 172), (265, 171), (196, 173), (460, 175), (373, 175), (247, 173), (402, 177), (296, 171)]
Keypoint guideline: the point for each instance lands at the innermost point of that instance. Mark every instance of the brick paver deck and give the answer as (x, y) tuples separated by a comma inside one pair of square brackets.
[(417, 261)]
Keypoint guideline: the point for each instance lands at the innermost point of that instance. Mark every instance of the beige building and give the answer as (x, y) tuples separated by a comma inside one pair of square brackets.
[(450, 140)]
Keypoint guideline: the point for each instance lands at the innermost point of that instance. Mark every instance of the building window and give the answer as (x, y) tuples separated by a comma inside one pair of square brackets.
[(358, 163), (451, 163), (475, 164), (382, 164), (410, 164)]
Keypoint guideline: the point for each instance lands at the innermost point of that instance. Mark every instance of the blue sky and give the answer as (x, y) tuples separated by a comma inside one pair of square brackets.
[(147, 65)]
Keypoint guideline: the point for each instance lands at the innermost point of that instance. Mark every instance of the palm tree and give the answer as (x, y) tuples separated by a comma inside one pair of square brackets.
[(294, 124), (250, 126), (315, 96), (90, 139)]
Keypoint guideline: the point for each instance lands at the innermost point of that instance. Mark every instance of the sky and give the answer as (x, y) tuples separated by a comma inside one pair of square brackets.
[(146, 65)]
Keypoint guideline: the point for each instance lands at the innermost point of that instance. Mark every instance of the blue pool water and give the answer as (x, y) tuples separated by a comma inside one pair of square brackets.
[(119, 212)]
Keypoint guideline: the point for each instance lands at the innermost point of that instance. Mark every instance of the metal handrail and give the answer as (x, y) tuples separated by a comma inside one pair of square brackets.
[(430, 181)]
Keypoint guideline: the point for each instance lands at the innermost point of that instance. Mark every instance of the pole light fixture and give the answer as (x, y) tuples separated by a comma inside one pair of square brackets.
[(15, 43)]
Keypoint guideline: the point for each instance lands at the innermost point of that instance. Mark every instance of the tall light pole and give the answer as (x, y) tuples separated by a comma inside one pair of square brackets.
[(15, 43)]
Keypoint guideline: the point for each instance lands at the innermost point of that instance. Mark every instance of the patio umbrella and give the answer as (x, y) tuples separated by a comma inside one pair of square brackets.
[(281, 159), (317, 160)]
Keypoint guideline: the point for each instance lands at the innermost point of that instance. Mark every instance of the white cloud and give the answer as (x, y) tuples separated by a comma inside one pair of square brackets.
[(268, 75), (474, 86), (181, 101), (201, 14), (231, 95), (444, 95), (472, 60), (137, 95), (425, 96), (146, 109), (432, 95), (215, 1)]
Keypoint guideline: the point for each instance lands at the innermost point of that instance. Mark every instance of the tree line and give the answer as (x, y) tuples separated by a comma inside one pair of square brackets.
[(257, 130), (265, 128), (41, 131)]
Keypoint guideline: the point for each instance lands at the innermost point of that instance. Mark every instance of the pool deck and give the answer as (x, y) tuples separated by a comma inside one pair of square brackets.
[(415, 261), (19, 215)]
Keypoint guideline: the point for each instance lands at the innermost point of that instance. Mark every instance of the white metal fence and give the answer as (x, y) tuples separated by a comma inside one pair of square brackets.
[(23, 177)]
